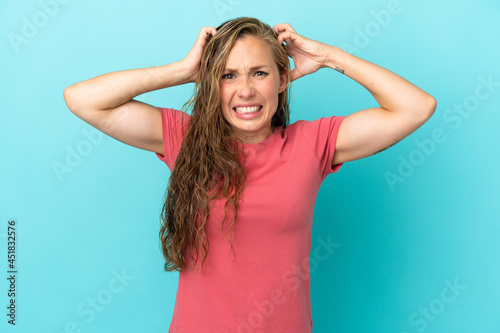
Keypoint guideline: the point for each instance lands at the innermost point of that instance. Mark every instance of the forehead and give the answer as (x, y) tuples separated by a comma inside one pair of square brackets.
[(249, 52)]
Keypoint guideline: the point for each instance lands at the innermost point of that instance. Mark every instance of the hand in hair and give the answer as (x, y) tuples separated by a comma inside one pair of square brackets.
[(308, 55), (192, 60)]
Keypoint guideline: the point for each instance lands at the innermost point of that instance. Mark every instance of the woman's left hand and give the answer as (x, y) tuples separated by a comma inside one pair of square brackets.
[(308, 55)]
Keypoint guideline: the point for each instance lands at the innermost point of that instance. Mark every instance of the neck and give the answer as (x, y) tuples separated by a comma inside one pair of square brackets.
[(255, 137)]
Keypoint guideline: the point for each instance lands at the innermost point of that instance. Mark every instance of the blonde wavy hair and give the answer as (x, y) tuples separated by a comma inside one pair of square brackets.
[(210, 161)]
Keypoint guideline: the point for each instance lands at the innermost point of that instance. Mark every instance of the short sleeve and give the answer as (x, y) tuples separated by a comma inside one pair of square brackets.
[(321, 135), (172, 136)]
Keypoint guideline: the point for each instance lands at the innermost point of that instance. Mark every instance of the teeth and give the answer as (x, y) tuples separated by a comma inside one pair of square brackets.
[(251, 109)]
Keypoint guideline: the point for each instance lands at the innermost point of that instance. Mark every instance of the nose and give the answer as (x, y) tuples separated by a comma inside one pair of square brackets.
[(245, 88)]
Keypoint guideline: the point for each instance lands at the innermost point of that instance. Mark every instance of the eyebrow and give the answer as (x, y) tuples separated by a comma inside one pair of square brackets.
[(253, 68)]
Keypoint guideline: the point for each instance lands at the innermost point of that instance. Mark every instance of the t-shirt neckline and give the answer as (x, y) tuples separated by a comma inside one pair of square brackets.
[(265, 141)]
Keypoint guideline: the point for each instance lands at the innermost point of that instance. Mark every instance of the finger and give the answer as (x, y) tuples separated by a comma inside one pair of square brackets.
[(205, 34), (286, 35), (205, 31), (211, 31), (282, 27), (295, 75)]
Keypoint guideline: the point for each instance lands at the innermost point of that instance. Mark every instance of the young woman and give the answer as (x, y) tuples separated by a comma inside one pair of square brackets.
[(240, 199)]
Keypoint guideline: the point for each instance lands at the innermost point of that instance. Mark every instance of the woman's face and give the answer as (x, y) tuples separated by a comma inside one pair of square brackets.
[(249, 89)]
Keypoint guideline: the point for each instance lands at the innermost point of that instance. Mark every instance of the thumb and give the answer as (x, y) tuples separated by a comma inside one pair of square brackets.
[(296, 74)]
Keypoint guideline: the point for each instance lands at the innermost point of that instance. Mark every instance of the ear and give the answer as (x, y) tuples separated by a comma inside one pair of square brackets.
[(283, 81)]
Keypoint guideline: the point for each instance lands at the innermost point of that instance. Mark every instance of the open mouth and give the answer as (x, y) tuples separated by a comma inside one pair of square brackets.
[(248, 110)]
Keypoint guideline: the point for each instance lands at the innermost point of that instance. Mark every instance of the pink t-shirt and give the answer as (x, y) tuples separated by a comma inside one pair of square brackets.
[(266, 287)]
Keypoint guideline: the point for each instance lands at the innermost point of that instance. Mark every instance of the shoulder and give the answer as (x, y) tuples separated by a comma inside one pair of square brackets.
[(173, 113), (328, 124)]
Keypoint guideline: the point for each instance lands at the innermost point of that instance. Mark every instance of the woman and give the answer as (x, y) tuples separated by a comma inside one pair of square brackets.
[(244, 181)]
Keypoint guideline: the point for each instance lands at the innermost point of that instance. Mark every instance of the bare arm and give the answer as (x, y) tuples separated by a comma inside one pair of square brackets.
[(106, 101), (403, 109), (403, 106)]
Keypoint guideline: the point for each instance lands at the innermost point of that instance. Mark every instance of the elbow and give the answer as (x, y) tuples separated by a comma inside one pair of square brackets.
[(69, 98), (428, 106), (432, 105)]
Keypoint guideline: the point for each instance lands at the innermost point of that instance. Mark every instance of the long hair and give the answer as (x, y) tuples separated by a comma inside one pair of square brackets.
[(210, 161)]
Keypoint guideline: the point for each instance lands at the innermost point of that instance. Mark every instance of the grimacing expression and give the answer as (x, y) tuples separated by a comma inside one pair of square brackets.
[(249, 87)]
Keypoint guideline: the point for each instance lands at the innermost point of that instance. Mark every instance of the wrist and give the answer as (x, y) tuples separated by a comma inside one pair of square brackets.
[(175, 73), (186, 73), (337, 59)]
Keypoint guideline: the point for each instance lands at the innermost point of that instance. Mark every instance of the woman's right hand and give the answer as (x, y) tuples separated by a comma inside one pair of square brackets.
[(192, 60)]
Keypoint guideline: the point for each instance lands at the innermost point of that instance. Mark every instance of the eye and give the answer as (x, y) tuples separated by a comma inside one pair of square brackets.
[(261, 72), (225, 76)]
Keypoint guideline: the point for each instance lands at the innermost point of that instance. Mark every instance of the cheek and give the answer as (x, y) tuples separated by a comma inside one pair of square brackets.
[(225, 95), (226, 112), (271, 89), (271, 94)]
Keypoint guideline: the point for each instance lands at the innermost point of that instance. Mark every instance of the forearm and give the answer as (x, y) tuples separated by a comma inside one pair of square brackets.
[(391, 91), (114, 89)]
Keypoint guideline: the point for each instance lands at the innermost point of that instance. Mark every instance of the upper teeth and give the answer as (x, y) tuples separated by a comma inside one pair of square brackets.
[(248, 109)]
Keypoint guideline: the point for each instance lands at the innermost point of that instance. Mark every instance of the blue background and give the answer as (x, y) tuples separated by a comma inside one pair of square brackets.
[(401, 243)]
